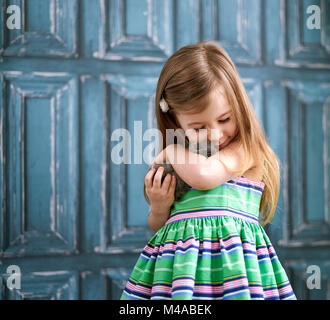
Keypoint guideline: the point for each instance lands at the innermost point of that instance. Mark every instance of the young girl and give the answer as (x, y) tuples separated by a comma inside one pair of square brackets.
[(209, 244)]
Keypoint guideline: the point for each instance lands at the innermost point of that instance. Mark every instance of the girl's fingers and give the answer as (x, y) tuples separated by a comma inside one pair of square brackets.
[(149, 177), (167, 182), (172, 184), (158, 177), (154, 178)]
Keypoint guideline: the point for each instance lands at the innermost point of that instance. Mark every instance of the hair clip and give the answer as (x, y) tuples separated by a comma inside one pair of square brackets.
[(164, 105)]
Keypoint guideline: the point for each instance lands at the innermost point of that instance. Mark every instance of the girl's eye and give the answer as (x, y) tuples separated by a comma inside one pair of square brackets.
[(222, 121)]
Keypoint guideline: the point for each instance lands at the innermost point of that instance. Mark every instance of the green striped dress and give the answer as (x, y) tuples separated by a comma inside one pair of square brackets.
[(211, 247)]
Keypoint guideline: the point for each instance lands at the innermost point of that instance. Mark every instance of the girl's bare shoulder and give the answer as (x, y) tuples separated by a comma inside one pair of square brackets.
[(255, 173)]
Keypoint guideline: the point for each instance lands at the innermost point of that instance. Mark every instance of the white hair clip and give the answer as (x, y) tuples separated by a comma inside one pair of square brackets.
[(164, 105)]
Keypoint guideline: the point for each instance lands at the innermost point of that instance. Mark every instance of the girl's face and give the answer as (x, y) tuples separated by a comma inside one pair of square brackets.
[(217, 120)]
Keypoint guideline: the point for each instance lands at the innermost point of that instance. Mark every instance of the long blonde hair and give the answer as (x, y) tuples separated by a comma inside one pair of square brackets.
[(186, 80)]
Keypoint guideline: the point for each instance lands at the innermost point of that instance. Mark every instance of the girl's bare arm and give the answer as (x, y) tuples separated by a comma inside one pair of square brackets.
[(157, 219), (161, 197), (204, 173)]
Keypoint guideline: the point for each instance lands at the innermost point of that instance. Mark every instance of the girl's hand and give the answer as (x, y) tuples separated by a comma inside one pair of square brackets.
[(161, 196)]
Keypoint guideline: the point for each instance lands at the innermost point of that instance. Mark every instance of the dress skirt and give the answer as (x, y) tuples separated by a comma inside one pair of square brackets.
[(211, 248)]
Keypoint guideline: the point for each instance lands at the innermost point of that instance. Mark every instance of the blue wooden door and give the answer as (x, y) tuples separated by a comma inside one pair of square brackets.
[(78, 77)]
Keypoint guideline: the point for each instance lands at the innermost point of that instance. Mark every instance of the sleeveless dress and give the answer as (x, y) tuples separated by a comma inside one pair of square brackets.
[(212, 247)]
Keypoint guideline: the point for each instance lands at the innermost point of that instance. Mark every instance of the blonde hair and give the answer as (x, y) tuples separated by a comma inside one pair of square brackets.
[(185, 82)]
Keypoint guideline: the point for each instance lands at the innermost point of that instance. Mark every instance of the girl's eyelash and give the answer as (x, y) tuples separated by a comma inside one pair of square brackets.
[(225, 120), (222, 121)]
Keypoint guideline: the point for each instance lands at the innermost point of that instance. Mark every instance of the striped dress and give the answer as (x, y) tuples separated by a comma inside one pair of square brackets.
[(211, 247)]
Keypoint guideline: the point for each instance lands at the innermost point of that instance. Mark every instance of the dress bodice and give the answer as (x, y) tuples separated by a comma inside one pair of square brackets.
[(238, 198)]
